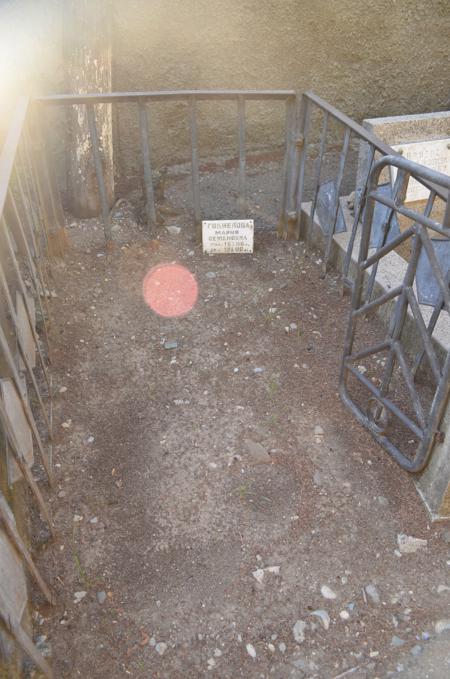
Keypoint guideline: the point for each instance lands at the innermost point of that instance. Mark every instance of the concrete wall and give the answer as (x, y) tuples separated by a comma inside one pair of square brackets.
[(370, 59)]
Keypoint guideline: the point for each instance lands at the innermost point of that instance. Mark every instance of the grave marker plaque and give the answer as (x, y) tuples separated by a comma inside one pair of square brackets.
[(227, 236), (434, 154)]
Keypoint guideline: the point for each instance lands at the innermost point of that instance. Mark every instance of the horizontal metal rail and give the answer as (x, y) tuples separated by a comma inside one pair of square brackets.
[(165, 95)]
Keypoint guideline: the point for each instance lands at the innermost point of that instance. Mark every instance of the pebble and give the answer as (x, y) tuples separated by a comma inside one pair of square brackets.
[(251, 650), (101, 597), (62, 493), (345, 615), (416, 650), (171, 344), (327, 592), (77, 518), (78, 596), (173, 230), (373, 594), (211, 663), (396, 641), (161, 648), (257, 452), (211, 274), (408, 544), (442, 626), (63, 390), (324, 617), (282, 647), (271, 648), (90, 439), (318, 434), (258, 371), (298, 631), (217, 652)]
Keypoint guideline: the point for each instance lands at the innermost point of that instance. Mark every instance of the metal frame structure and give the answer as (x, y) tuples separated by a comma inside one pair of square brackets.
[(191, 97), (303, 146), (31, 224), (380, 407)]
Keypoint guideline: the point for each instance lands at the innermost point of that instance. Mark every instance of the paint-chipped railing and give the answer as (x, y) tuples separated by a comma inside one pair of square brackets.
[(306, 147), (142, 101), (406, 427), (31, 233)]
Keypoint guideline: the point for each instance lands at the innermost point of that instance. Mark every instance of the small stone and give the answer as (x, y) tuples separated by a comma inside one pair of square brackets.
[(65, 425), (62, 493), (63, 390), (298, 631), (211, 663), (408, 544), (396, 641), (324, 617), (250, 650), (362, 369), (258, 574), (416, 650), (161, 648), (282, 647), (211, 274), (90, 439), (383, 501), (77, 518), (173, 230), (78, 596), (217, 652), (258, 371), (101, 597), (345, 615), (271, 648), (318, 434), (258, 453), (94, 519), (442, 626), (373, 594), (327, 592), (293, 327), (171, 344)]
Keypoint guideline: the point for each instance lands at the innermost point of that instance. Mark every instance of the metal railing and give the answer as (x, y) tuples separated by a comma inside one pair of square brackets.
[(31, 232), (382, 413), (300, 151), (141, 100)]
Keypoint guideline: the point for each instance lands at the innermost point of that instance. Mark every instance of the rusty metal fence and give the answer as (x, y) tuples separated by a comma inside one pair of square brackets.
[(31, 233), (142, 101)]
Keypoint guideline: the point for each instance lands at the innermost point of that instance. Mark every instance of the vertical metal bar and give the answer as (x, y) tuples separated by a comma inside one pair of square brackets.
[(242, 199), (357, 217), (323, 141), (7, 519), (289, 166), (148, 177), (195, 172), (38, 285), (99, 172), (302, 145), (12, 313), (35, 194), (4, 347), (24, 293), (340, 177)]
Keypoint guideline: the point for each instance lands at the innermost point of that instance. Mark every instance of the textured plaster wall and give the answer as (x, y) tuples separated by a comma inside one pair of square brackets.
[(369, 59)]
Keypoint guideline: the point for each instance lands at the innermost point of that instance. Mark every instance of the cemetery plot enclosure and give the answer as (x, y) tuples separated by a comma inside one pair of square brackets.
[(317, 165)]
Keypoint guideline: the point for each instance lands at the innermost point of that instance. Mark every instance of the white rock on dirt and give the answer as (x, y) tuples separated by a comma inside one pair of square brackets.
[(407, 544), (161, 648), (373, 594), (327, 592), (442, 626), (78, 596), (251, 650), (298, 631), (324, 617)]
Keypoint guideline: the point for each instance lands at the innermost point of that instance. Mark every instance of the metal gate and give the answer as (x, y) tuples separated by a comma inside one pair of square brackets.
[(395, 390)]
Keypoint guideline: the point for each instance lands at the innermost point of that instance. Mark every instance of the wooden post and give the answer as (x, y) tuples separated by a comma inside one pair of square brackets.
[(88, 69)]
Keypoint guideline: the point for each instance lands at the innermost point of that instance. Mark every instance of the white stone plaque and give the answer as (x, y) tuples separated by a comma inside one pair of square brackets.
[(19, 424), (229, 236), (434, 154)]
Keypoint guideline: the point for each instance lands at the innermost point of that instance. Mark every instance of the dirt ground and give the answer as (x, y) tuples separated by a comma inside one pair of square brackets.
[(219, 512)]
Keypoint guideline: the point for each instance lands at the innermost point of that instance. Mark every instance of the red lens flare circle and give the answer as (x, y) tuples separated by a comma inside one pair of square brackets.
[(170, 290)]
